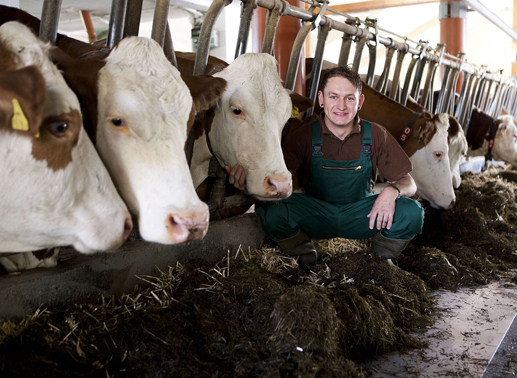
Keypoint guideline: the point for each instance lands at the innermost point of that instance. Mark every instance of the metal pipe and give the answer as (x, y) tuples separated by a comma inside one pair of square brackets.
[(247, 9), (161, 14), (394, 92), (407, 80), (116, 25), (427, 96), (323, 32), (168, 46), (359, 46), (486, 96), (480, 8), (382, 83), (272, 23), (440, 104), (345, 46), (203, 46), (49, 20), (450, 97), (294, 59), (133, 16), (464, 95)]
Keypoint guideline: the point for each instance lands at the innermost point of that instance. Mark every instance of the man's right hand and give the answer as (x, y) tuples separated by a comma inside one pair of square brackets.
[(237, 176)]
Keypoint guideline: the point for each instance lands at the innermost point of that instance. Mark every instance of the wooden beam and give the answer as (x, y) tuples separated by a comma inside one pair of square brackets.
[(364, 6)]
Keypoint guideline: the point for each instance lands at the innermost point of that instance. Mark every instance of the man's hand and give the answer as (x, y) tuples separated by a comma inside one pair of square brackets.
[(237, 176), (383, 209)]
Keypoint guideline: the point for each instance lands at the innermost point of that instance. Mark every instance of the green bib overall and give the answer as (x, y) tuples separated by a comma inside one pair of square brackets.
[(338, 201)]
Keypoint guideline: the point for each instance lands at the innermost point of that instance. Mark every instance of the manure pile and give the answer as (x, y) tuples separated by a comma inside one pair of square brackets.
[(256, 314)]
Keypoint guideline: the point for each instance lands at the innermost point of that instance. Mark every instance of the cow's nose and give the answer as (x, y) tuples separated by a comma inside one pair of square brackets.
[(184, 228), (452, 204), (278, 186), (128, 226)]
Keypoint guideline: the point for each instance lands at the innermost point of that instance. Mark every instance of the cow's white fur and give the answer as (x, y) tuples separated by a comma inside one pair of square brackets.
[(505, 142), (43, 208), (254, 86), (432, 170), (147, 162), (458, 148)]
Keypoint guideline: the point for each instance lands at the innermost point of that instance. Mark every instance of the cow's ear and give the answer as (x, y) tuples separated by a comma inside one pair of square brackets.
[(301, 102), (204, 90)]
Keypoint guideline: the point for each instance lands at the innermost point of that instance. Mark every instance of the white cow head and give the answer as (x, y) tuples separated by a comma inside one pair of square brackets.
[(431, 168), (143, 109), (458, 147), (54, 189), (248, 123), (505, 142)]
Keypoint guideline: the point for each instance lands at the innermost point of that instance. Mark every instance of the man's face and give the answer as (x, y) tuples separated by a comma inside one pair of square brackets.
[(340, 102)]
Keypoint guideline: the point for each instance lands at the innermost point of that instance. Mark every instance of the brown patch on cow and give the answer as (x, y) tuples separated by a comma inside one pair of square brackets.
[(427, 129), (186, 62), (14, 14), (57, 150), (301, 102), (480, 128), (454, 127), (204, 90), (28, 87), (204, 122)]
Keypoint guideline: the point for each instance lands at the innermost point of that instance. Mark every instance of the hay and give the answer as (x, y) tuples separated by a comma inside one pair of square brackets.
[(255, 313)]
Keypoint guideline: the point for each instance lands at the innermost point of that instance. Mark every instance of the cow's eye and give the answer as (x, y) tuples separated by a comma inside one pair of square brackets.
[(438, 155), (236, 111), (118, 122), (58, 128)]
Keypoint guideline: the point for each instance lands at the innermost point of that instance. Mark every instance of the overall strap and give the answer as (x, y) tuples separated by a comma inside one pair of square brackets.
[(317, 142), (367, 139)]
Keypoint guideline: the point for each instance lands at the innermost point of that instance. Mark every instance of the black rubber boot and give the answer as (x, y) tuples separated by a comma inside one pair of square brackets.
[(387, 247), (301, 247)]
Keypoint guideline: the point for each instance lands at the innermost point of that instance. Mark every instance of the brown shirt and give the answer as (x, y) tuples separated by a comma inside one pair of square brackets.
[(388, 157)]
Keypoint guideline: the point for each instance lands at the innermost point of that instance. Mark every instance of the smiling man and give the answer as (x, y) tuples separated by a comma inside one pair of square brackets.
[(336, 160)]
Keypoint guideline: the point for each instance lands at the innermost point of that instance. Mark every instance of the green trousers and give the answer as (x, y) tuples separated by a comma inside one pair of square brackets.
[(322, 220)]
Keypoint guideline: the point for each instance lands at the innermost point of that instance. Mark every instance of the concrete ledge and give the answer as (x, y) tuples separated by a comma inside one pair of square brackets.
[(110, 274)]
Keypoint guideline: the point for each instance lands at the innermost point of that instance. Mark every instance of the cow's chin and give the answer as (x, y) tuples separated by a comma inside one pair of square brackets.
[(276, 197)]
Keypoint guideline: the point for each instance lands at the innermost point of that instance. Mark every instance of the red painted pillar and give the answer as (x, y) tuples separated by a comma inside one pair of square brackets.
[(286, 32), (453, 29)]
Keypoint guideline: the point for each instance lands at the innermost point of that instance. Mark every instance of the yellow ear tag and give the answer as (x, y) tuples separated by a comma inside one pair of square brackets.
[(295, 112), (37, 135), (19, 121)]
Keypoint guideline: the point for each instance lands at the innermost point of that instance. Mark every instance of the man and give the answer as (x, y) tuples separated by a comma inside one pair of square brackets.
[(336, 159)]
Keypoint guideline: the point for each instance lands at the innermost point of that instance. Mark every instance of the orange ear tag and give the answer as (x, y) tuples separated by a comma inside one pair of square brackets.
[(19, 121)]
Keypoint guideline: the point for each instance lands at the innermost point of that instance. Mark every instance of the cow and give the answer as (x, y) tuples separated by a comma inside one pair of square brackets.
[(491, 137), (458, 146), (137, 109), (244, 126), (55, 189)]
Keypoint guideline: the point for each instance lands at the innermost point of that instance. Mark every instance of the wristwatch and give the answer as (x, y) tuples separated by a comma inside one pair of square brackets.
[(398, 190)]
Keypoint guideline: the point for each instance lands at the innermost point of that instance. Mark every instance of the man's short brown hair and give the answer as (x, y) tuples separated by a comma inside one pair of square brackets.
[(343, 71)]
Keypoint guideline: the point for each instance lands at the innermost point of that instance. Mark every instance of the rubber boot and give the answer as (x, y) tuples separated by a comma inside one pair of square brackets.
[(301, 247), (387, 247)]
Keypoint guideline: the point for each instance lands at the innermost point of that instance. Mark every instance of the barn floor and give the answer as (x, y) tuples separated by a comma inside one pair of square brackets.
[(469, 326)]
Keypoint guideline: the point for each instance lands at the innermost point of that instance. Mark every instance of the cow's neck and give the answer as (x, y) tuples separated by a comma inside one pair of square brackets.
[(200, 161)]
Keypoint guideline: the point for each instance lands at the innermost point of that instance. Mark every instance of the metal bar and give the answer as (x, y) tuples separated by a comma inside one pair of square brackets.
[(271, 25), (486, 96), (49, 20), (464, 96), (247, 9), (450, 97), (372, 52), (394, 92), (161, 14), (481, 9), (168, 46), (427, 95), (133, 16), (294, 59), (359, 46), (480, 91), (116, 25), (346, 44), (382, 83), (415, 88), (409, 73), (203, 46), (323, 32), (440, 104)]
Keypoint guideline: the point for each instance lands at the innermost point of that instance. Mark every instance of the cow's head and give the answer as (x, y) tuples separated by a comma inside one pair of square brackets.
[(248, 122), (55, 190), (505, 142), (143, 110), (458, 148), (432, 170)]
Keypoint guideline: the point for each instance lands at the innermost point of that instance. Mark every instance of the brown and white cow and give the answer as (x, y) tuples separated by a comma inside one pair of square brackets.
[(456, 138), (136, 110), (245, 125), (55, 189), (499, 134)]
